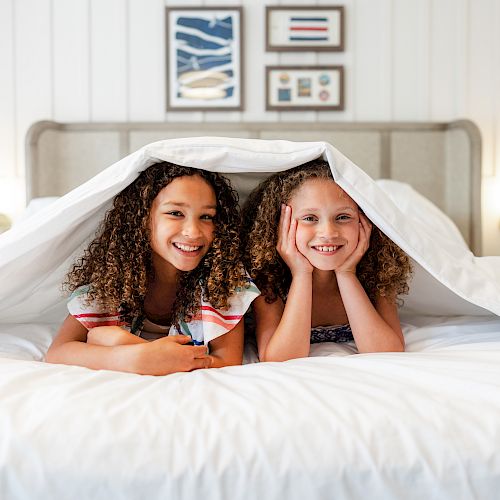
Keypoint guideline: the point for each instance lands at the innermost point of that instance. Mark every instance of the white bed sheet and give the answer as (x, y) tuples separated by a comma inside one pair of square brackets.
[(379, 426)]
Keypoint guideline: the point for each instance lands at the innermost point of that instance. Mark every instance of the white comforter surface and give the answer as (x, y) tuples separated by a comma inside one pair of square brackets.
[(378, 426)]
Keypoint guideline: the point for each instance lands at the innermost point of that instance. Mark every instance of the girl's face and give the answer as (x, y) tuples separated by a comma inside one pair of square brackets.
[(327, 223), (182, 223)]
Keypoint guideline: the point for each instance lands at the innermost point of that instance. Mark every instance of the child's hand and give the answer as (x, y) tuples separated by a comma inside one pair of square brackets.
[(365, 230), (170, 355), (287, 246)]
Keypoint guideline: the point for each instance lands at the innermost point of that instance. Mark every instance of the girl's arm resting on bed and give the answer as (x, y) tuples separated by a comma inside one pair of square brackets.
[(160, 357), (375, 328), (227, 350), (284, 331)]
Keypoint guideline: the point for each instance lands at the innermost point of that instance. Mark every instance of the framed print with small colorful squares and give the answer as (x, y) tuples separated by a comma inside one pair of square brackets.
[(292, 88)]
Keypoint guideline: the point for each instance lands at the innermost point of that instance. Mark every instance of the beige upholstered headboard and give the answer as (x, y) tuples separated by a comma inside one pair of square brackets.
[(440, 160)]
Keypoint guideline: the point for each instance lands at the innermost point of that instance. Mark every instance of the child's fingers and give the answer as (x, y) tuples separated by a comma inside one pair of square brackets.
[(180, 339), (367, 225), (292, 233), (205, 362), (280, 225), (364, 234), (286, 222), (199, 351), (285, 225)]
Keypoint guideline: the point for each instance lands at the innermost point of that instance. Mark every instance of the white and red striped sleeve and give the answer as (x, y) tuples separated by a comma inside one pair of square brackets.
[(89, 313)]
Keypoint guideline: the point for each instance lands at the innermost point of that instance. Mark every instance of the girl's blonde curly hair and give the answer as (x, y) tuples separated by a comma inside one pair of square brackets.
[(118, 262), (383, 271)]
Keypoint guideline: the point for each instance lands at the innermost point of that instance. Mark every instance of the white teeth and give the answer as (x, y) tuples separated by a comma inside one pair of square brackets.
[(327, 249), (186, 248)]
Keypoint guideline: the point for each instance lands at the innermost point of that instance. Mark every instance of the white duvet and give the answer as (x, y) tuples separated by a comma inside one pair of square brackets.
[(420, 424)]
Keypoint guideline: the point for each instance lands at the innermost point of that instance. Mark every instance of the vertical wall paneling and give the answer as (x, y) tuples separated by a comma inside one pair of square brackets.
[(372, 66), (410, 49), (254, 61), (180, 116), (33, 67), (11, 184), (346, 59), (109, 75), (461, 57), (481, 92), (7, 91), (70, 54), (496, 93), (146, 63), (491, 185), (257, 60), (443, 38)]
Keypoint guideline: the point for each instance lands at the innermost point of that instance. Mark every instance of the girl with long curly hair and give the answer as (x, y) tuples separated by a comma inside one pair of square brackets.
[(325, 272), (161, 288)]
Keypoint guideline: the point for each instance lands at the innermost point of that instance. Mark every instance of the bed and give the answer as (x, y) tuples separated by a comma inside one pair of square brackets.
[(425, 423)]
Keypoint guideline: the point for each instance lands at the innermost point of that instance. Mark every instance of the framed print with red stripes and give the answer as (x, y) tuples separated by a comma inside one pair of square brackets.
[(314, 28)]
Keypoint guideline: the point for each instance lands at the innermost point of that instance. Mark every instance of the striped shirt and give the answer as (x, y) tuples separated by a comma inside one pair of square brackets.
[(208, 324)]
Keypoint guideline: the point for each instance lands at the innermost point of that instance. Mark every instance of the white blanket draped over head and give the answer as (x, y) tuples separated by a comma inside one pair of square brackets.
[(36, 254)]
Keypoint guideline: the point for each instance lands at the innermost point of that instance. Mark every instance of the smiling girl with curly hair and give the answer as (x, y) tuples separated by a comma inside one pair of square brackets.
[(326, 273), (161, 282)]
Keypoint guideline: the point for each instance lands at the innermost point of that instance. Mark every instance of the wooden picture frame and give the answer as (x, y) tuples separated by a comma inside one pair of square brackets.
[(314, 28), (204, 58), (306, 88)]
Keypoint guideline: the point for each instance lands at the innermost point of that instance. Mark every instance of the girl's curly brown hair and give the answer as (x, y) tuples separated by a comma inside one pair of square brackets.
[(118, 262), (383, 271)]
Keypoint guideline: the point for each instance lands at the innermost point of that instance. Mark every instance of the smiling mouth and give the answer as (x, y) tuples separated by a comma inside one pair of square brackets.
[(187, 249), (327, 249)]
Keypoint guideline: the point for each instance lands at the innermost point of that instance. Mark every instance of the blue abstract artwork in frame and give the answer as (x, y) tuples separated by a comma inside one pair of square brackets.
[(204, 59)]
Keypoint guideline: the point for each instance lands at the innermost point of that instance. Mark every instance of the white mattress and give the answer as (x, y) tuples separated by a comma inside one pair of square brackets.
[(388, 426)]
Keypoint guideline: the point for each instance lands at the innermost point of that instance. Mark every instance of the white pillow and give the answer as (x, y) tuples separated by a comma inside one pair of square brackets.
[(421, 210)]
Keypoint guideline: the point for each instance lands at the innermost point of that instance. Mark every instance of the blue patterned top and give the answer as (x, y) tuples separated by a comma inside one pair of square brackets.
[(337, 333)]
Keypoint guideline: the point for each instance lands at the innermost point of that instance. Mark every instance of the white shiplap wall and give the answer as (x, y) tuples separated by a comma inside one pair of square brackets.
[(104, 60)]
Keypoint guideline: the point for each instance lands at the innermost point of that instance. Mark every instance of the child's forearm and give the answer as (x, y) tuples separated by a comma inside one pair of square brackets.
[(293, 335), (371, 333), (122, 358)]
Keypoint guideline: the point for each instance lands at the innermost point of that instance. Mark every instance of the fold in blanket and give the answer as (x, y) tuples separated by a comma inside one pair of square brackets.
[(36, 254)]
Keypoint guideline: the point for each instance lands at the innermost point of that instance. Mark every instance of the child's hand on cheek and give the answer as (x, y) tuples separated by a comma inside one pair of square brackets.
[(365, 229), (287, 246)]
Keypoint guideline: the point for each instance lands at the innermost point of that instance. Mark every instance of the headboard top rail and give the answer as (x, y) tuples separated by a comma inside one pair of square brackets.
[(440, 160)]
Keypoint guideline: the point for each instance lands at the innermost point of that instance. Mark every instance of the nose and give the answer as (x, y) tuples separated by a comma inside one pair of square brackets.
[(191, 228), (328, 229)]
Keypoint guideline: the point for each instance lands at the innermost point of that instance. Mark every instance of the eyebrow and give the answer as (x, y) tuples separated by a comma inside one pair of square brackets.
[(316, 209), (179, 204)]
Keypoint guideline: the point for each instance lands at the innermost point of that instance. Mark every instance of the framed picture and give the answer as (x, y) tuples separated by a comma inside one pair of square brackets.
[(204, 58), (292, 88), (305, 28)]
